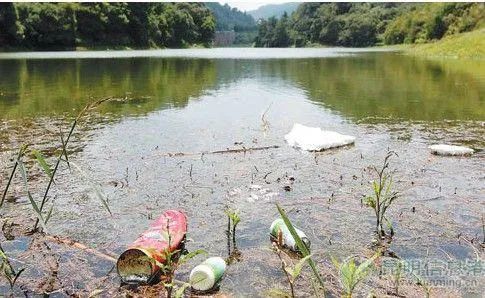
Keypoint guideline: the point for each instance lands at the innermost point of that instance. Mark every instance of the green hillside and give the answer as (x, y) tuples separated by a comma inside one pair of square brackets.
[(463, 45)]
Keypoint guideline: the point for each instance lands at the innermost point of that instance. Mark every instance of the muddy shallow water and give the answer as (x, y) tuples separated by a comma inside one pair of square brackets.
[(169, 105)]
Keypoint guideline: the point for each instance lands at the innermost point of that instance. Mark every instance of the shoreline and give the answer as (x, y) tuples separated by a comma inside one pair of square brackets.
[(467, 45)]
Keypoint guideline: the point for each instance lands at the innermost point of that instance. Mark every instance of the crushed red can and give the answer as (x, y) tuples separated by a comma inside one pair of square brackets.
[(140, 263)]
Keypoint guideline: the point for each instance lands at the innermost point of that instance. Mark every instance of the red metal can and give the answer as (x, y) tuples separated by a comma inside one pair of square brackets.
[(140, 263)]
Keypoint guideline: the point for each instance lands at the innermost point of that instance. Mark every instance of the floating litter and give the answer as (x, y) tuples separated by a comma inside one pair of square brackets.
[(207, 275), (443, 149), (316, 139), (140, 263), (279, 229)]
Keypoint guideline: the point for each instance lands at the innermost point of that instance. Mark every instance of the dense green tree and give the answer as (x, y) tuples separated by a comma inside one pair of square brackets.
[(282, 37), (67, 25), (11, 30), (47, 25), (103, 24), (368, 24)]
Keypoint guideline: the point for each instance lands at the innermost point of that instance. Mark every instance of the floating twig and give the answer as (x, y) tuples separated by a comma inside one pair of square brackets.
[(237, 150), (80, 246)]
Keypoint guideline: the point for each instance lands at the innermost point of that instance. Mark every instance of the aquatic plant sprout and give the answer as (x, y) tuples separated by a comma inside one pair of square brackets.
[(22, 150), (383, 196), (233, 216), (292, 273), (173, 260), (351, 275), (302, 248), (7, 269), (64, 150)]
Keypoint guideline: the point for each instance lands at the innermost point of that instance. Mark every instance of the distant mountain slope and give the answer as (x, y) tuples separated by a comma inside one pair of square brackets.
[(228, 18), (276, 10)]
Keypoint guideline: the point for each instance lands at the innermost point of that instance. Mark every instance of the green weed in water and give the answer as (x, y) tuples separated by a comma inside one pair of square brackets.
[(51, 173), (292, 273), (383, 196), (302, 248), (21, 153), (234, 218), (173, 260), (351, 274), (7, 270)]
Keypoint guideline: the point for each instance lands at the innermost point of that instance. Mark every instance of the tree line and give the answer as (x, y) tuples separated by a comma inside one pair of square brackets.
[(145, 25), (69, 25), (368, 24)]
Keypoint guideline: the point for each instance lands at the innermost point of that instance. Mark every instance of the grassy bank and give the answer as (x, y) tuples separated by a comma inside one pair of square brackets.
[(465, 45)]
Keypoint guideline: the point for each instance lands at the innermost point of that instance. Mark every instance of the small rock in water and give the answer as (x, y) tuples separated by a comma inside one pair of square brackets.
[(316, 139), (443, 149)]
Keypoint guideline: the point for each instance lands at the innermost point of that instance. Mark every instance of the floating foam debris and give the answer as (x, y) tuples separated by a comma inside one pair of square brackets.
[(316, 139), (443, 149)]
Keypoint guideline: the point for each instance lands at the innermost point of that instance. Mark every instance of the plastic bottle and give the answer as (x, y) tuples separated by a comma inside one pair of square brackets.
[(208, 274), (278, 226)]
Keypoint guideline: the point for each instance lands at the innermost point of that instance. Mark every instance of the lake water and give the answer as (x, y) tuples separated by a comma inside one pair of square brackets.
[(203, 100)]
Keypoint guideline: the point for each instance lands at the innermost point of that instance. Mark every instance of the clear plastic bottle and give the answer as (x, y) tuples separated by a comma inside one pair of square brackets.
[(279, 227)]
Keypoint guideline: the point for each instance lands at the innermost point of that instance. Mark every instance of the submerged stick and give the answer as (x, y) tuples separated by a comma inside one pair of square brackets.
[(80, 246), (238, 150)]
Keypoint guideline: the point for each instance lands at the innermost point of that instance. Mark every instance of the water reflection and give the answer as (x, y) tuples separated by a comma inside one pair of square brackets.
[(49, 87), (379, 85), (396, 86)]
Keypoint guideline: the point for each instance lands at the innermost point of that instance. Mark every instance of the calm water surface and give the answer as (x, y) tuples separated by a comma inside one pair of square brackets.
[(352, 83), (195, 101)]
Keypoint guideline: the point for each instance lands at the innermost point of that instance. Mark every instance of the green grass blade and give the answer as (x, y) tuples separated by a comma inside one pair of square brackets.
[(299, 266), (8, 184), (23, 171), (42, 162), (20, 154), (364, 268), (64, 150), (49, 214), (301, 246)]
